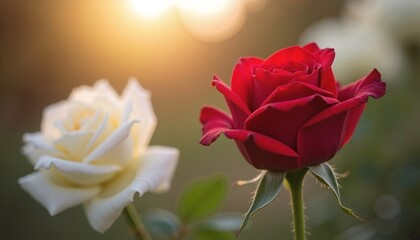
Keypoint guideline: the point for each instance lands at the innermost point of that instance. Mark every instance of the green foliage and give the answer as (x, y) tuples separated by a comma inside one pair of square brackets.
[(194, 221), (161, 222), (202, 198), (326, 175), (267, 190)]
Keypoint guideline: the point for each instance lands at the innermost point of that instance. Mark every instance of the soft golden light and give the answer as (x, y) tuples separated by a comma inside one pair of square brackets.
[(151, 9), (207, 20), (212, 20), (204, 7)]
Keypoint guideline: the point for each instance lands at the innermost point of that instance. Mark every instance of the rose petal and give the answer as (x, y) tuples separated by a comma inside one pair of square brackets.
[(290, 54), (325, 57), (82, 94), (45, 162), (264, 152), (265, 142), (354, 95), (282, 120), (270, 153), (243, 80), (323, 135), (142, 110), (328, 81), (81, 174), (50, 116), (117, 137), (101, 131), (54, 197), (73, 144), (311, 47), (214, 123), (128, 110), (370, 85), (38, 141), (266, 82), (168, 156), (101, 89), (156, 170), (320, 142), (32, 153), (238, 108), (295, 90)]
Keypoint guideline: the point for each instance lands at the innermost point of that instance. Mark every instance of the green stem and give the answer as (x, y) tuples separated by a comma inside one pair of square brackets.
[(295, 180), (136, 225)]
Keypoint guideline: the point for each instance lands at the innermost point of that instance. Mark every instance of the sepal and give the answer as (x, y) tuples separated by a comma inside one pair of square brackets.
[(268, 189), (326, 175)]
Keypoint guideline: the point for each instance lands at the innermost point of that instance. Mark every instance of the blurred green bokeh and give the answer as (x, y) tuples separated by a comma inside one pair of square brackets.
[(49, 47)]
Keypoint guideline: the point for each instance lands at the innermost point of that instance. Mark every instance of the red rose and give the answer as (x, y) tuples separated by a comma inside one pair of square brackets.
[(288, 111)]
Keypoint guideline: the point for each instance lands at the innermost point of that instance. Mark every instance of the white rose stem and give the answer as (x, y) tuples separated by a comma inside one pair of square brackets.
[(137, 226), (295, 183)]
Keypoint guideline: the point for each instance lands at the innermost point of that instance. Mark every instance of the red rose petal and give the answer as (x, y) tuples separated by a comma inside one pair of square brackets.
[(243, 80), (295, 90), (214, 123), (282, 120), (319, 143), (238, 108), (370, 85), (329, 130), (311, 47), (264, 152), (266, 82), (325, 57), (353, 96), (290, 54)]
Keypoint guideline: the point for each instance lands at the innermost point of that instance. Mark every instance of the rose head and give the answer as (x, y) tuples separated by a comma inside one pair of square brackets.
[(288, 111), (93, 149)]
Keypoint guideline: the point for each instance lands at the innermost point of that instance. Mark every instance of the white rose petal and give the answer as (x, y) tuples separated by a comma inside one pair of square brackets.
[(155, 170), (40, 143), (55, 198), (116, 138), (50, 116), (73, 143), (32, 153), (142, 109), (101, 89), (81, 174), (45, 162)]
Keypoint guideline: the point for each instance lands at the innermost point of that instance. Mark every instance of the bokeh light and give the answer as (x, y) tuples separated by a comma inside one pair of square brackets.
[(212, 20), (151, 9)]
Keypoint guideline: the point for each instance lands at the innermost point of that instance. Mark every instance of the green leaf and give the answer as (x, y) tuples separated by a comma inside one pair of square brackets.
[(161, 222), (211, 235), (225, 222), (202, 197), (326, 175), (267, 190)]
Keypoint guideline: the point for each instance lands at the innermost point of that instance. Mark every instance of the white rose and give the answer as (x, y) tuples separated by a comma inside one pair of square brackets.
[(93, 149)]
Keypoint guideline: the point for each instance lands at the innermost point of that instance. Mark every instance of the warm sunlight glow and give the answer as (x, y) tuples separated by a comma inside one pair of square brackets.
[(207, 20), (151, 9), (204, 7), (212, 20)]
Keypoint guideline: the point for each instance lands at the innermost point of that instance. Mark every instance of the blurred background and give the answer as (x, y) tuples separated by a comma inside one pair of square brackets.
[(49, 47)]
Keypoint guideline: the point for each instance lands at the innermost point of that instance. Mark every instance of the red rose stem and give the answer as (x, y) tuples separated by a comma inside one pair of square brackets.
[(295, 181)]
